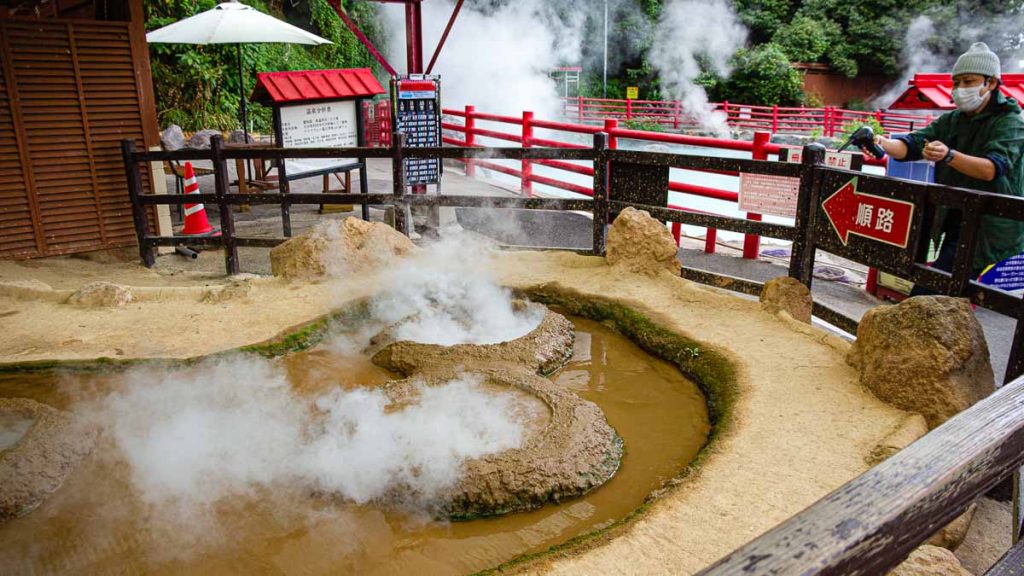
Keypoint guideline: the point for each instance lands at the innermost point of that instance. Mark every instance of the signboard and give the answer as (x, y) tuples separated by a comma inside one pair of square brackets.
[(319, 125), (768, 194), (874, 217), (417, 114), (844, 160), (1007, 275), (632, 92)]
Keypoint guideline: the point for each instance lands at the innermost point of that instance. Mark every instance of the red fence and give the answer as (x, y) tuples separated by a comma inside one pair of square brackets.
[(523, 132), (828, 121)]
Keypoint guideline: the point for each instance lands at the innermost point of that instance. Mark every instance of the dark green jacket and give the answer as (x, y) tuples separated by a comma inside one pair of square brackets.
[(996, 133)]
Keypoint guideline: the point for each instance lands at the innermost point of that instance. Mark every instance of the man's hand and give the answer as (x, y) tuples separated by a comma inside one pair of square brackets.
[(935, 151)]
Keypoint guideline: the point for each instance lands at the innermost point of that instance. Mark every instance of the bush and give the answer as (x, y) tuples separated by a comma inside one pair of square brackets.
[(761, 76), (803, 39)]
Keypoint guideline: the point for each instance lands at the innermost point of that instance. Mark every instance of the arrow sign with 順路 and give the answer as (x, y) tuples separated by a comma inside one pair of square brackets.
[(873, 217)]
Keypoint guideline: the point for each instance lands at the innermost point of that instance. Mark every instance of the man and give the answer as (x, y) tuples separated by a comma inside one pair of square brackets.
[(979, 145)]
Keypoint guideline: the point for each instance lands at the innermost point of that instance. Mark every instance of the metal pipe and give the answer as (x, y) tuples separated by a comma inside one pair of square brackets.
[(444, 37), (354, 29), (186, 252), (241, 90), (413, 38), (604, 90)]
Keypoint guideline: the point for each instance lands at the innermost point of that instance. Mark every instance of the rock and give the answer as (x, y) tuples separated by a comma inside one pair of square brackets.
[(101, 295), (789, 294), (339, 248), (953, 534), (236, 289), (927, 354), (201, 139), (36, 465), (172, 138), (239, 137), (930, 561), (910, 429), (641, 244)]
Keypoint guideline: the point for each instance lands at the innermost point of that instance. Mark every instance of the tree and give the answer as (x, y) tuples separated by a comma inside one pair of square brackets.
[(761, 75)]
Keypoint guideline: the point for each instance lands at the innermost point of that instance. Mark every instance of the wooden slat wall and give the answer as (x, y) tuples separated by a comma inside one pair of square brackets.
[(69, 97)]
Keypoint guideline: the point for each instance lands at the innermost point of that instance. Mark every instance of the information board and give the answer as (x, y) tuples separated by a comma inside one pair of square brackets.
[(417, 114), (632, 92), (1007, 275), (844, 160), (769, 194), (319, 125)]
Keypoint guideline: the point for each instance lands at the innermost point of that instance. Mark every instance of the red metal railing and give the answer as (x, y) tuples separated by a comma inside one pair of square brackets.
[(467, 132), (828, 121)]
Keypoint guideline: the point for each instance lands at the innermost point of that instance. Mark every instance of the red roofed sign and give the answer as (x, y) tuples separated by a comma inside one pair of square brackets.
[(934, 92), (276, 88)]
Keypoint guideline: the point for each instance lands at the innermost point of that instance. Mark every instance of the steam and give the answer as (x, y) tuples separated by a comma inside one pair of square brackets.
[(194, 437), (917, 58), (691, 33), (497, 57), (446, 295)]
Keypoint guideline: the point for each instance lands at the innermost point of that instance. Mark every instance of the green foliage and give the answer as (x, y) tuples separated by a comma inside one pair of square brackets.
[(852, 125), (804, 39), (760, 76), (645, 125), (198, 86)]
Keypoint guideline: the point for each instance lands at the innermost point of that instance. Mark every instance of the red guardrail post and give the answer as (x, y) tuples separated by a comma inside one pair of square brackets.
[(526, 184), (579, 109), (752, 242), (677, 112), (629, 109), (775, 127), (610, 125), (470, 125)]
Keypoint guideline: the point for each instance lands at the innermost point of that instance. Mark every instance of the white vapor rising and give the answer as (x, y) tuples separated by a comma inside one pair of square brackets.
[(917, 58), (445, 295), (689, 33), (194, 437), (498, 60)]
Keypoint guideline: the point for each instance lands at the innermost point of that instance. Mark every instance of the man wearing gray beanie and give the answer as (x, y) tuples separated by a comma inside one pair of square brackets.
[(979, 145)]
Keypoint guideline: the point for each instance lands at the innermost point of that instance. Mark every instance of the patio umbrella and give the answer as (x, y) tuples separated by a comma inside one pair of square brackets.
[(233, 23)]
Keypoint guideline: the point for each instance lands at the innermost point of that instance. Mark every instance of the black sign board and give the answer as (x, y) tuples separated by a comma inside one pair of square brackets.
[(417, 113)]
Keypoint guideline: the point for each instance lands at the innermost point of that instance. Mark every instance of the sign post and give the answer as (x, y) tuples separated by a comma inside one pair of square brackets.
[(874, 217)]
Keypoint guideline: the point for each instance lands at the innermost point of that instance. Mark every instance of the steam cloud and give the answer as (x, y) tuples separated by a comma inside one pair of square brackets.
[(446, 295), (689, 33), (228, 427)]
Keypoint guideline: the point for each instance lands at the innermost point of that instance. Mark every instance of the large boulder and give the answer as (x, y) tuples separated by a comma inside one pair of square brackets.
[(927, 354), (639, 243), (338, 248), (101, 295), (789, 294), (239, 137), (172, 138), (201, 139), (930, 561)]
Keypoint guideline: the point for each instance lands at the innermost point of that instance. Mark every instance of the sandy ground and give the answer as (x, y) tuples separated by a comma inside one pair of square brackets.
[(803, 425)]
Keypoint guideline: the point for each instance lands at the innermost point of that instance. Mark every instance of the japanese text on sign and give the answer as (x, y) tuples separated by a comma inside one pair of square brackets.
[(322, 125), (768, 194)]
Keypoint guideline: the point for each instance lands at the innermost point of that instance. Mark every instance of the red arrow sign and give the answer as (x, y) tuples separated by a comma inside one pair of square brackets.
[(875, 217)]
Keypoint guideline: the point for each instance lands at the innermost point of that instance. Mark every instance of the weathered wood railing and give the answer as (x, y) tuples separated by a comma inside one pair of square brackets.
[(868, 525)]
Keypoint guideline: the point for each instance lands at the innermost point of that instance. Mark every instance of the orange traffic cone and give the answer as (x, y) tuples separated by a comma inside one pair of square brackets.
[(196, 223)]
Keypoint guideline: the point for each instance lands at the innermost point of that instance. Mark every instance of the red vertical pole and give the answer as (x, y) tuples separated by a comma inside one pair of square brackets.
[(678, 112), (775, 122), (629, 109), (752, 242), (872, 284), (725, 108), (414, 38), (677, 232), (579, 115), (470, 125), (526, 184), (610, 125)]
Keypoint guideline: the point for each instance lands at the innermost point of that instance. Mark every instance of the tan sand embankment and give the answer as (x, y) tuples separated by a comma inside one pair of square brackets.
[(802, 425)]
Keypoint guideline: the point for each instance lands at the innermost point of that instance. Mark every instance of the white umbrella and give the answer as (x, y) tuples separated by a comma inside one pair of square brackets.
[(233, 23)]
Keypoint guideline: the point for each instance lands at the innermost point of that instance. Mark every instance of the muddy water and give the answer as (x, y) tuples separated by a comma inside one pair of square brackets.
[(98, 523)]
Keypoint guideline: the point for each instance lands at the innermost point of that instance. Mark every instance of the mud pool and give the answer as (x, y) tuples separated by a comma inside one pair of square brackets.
[(12, 428), (96, 522)]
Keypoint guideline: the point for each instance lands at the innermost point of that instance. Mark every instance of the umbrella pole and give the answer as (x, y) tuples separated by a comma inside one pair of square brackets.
[(245, 119)]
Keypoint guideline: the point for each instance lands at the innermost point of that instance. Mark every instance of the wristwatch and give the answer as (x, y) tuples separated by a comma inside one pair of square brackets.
[(949, 157)]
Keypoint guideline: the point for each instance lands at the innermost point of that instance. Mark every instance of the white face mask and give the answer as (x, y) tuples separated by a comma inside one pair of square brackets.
[(968, 99)]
